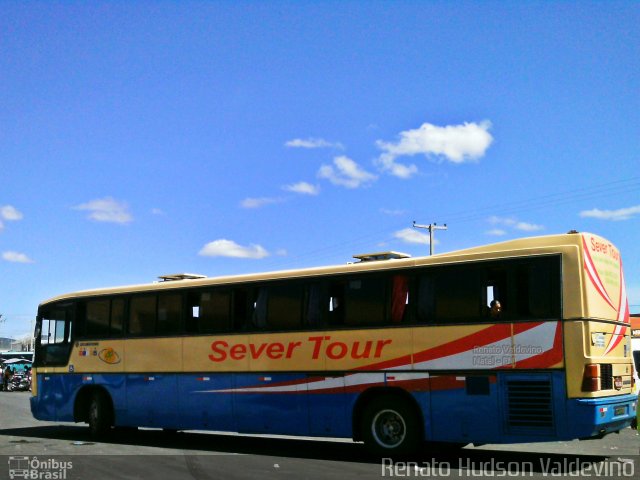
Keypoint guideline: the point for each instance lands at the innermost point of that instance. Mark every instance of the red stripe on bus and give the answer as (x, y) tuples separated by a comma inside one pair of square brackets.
[(548, 358), (596, 281)]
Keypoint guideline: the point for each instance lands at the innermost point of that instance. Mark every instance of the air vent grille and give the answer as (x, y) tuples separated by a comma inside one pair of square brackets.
[(606, 376), (529, 405)]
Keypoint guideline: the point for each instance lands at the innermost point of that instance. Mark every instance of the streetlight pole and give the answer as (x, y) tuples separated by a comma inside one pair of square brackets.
[(431, 227)]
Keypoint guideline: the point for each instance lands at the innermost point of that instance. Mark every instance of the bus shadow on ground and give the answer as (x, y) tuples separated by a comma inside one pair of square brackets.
[(434, 462)]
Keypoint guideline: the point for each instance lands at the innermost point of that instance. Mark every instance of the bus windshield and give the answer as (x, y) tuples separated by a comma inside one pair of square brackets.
[(53, 334)]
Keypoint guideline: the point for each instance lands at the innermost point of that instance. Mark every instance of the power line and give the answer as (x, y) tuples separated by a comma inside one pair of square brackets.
[(468, 215)]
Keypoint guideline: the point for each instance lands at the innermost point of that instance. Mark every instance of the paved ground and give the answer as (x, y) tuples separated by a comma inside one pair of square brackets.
[(56, 450)]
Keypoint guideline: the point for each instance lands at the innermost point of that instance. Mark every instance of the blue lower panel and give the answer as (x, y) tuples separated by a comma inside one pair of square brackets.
[(261, 406), (205, 402), (596, 416), (504, 407), (56, 394), (459, 415), (152, 400)]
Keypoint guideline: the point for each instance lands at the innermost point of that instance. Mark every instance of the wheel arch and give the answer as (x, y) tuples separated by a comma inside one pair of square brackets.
[(83, 400), (376, 392)]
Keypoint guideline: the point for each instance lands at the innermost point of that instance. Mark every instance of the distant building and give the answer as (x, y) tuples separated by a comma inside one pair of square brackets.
[(5, 343), (635, 325)]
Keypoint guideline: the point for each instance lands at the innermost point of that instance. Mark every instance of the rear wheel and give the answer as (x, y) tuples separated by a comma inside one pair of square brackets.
[(391, 426), (100, 415)]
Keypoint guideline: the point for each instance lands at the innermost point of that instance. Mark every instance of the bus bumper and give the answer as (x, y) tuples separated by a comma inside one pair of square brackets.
[(595, 417)]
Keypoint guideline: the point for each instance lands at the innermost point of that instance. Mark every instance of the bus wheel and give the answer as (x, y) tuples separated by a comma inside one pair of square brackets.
[(391, 426), (100, 415)]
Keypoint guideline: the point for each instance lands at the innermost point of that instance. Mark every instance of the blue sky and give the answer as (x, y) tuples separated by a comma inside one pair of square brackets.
[(146, 138)]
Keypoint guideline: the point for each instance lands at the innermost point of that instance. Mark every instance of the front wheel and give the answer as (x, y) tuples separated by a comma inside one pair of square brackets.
[(391, 426), (100, 415)]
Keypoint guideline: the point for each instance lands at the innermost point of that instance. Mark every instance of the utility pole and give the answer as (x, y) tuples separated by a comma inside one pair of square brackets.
[(431, 227)]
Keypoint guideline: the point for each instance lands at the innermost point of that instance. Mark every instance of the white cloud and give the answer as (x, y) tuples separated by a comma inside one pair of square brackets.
[(387, 162), (10, 213), (259, 202), (16, 257), (612, 215), (312, 143), (157, 211), (302, 188), (229, 248), (455, 143), (107, 210), (411, 235), (346, 173), (528, 227), (395, 213), (494, 220), (510, 222)]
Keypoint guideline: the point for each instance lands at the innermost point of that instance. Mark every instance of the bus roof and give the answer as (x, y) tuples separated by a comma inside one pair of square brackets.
[(517, 247)]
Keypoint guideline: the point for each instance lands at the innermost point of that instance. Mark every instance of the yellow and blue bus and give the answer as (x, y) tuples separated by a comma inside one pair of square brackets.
[(394, 352)]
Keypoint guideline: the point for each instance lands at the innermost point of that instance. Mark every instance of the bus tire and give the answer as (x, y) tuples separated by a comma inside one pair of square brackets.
[(391, 426), (100, 417)]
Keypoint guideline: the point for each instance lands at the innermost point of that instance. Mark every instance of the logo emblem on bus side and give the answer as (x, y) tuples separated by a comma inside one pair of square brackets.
[(109, 355)]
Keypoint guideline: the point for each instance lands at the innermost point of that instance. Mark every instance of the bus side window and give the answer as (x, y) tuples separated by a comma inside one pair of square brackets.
[(142, 315), (365, 301), (97, 318), (458, 294), (399, 298), (543, 282), (169, 313), (284, 309), (259, 315), (336, 303), (315, 299), (426, 302), (117, 317), (496, 289), (209, 312), (241, 309)]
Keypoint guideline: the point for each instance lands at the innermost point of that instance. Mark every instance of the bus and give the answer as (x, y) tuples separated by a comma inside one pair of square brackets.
[(394, 351), (13, 354), (18, 361)]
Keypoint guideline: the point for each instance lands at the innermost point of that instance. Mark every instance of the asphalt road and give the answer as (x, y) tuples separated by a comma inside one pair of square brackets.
[(65, 451)]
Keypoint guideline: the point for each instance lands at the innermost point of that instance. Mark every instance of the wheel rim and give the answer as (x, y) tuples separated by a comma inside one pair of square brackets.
[(93, 413), (389, 428)]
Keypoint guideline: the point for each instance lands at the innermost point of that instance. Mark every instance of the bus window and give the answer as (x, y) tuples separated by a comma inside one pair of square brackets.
[(97, 318), (496, 289), (426, 302), (399, 298), (284, 307), (117, 317), (525, 289), (241, 308), (209, 312), (314, 302), (544, 286), (365, 301), (169, 313), (259, 315), (336, 302), (458, 294), (142, 315)]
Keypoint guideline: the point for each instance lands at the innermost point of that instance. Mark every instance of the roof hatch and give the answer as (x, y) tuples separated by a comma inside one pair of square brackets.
[(374, 257), (180, 276)]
